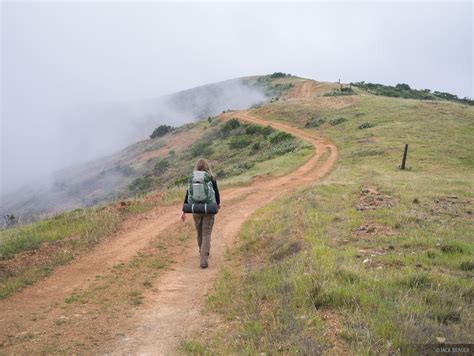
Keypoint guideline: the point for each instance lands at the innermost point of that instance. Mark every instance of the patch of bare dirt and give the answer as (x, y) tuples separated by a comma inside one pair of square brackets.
[(370, 199), (290, 250), (333, 334), (370, 229), (260, 177), (451, 205), (42, 256), (310, 88)]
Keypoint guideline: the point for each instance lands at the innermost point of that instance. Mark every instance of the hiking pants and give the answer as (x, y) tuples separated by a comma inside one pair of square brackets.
[(204, 225)]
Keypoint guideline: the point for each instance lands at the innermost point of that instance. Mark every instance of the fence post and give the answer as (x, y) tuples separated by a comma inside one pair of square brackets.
[(405, 152)]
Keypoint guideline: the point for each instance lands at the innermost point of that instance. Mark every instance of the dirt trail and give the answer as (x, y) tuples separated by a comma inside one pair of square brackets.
[(174, 312), (307, 89)]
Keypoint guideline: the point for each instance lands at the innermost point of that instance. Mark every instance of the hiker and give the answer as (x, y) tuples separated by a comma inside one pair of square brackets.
[(202, 192)]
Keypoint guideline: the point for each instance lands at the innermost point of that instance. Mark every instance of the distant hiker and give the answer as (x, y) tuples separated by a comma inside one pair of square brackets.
[(203, 201)]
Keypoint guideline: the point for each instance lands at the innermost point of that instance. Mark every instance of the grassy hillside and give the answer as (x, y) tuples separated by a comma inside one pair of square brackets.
[(107, 179), (239, 153), (371, 260)]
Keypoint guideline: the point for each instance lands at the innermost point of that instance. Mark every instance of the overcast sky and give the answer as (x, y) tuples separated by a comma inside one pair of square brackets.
[(58, 58)]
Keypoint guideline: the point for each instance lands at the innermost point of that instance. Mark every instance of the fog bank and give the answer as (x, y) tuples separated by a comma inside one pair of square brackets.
[(80, 79)]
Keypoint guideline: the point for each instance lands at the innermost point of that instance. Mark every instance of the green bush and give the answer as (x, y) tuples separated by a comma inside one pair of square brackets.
[(452, 248), (201, 148), (181, 181), (314, 122), (279, 75), (403, 86), (230, 125), (365, 125), (337, 121), (161, 131), (403, 90), (142, 184), (279, 136), (239, 142), (467, 265), (161, 165), (251, 129), (340, 92), (267, 130), (279, 150)]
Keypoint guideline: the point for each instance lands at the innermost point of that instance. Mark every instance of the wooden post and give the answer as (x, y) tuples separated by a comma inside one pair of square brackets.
[(405, 152)]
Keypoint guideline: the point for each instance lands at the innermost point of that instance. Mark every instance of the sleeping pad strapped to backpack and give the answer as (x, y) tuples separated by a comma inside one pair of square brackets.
[(201, 195)]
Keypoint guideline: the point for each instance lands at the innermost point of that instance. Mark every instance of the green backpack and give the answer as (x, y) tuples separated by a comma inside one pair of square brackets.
[(200, 189)]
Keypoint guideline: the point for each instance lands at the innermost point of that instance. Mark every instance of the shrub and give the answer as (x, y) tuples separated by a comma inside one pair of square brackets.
[(256, 146), (239, 142), (181, 181), (267, 130), (337, 121), (314, 122), (467, 265), (340, 92), (452, 248), (403, 90), (251, 129), (279, 136), (201, 148), (403, 86), (230, 125), (141, 184), (280, 149), (161, 131), (365, 125), (279, 75), (161, 165)]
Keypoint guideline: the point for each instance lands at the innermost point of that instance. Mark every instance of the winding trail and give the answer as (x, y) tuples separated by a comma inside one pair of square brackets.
[(174, 312)]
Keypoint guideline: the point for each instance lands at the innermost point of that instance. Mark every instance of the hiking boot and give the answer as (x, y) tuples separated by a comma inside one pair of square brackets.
[(204, 265)]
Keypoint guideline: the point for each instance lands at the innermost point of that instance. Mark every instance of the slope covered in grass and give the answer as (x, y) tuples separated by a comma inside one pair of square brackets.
[(371, 260), (238, 152), (107, 178)]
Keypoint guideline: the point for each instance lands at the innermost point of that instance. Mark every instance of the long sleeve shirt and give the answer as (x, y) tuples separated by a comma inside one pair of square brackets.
[(216, 190)]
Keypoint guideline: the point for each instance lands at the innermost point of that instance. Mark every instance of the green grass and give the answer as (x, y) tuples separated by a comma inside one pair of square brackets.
[(68, 234), (87, 224), (408, 284)]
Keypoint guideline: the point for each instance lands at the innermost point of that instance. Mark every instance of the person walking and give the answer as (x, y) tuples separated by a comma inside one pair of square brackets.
[(203, 175)]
